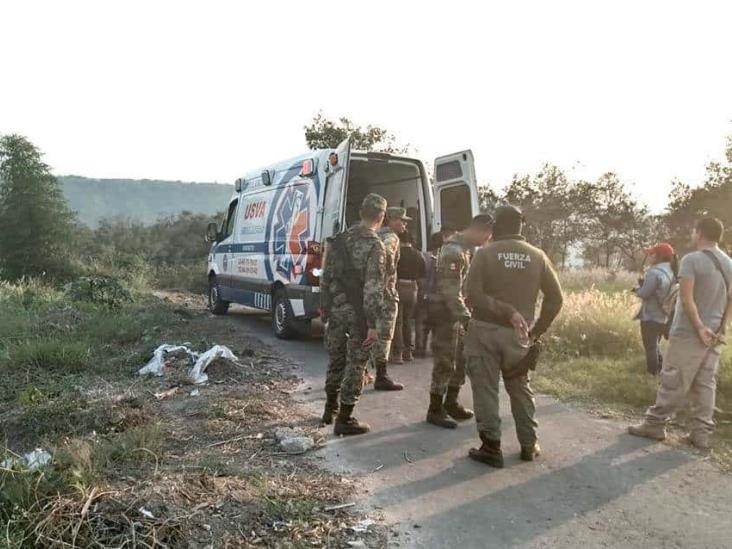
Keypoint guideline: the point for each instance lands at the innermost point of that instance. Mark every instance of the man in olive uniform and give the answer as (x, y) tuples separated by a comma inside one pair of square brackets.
[(396, 223), (502, 288), (353, 272), (449, 314)]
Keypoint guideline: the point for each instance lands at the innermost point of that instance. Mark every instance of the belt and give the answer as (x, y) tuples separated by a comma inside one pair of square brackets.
[(407, 281)]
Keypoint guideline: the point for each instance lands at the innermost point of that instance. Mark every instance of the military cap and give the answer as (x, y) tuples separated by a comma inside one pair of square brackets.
[(374, 201), (507, 213), (396, 212)]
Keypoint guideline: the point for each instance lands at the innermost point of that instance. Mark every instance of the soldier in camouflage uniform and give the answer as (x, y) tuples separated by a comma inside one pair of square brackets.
[(449, 315), (396, 223), (348, 345)]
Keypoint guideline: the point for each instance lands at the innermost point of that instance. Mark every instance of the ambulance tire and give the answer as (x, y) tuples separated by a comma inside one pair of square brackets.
[(217, 305), (284, 324)]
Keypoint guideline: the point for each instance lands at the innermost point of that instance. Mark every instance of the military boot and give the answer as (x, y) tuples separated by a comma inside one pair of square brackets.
[(699, 440), (331, 408), (384, 382), (408, 356), (453, 408), (530, 453), (489, 452), (346, 425), (436, 414), (647, 430)]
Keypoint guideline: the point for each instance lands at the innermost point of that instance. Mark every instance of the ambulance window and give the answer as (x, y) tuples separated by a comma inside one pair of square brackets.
[(455, 206), (229, 225)]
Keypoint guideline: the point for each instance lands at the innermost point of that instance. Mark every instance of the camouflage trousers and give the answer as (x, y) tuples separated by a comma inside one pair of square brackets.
[(490, 349), (387, 323), (448, 369), (347, 356)]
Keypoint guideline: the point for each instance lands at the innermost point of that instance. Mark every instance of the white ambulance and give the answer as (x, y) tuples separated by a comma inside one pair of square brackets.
[(266, 253)]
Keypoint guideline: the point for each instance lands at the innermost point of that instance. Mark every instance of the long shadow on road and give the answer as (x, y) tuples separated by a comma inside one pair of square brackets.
[(470, 495), (593, 487)]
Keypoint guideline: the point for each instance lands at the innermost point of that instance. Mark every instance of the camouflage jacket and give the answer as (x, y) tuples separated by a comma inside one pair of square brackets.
[(368, 258), (452, 271), (391, 245)]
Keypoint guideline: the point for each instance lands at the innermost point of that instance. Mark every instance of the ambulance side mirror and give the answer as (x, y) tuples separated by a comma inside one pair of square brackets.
[(212, 232)]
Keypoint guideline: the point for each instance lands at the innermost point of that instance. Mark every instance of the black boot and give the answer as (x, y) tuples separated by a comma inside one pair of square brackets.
[(489, 453), (384, 382), (331, 408), (346, 425), (436, 414), (529, 453), (453, 407)]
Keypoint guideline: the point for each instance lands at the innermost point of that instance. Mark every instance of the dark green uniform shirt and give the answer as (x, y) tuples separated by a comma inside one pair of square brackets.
[(452, 271), (506, 276)]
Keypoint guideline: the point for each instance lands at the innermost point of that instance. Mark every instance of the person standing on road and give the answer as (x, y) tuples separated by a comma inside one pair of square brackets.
[(449, 315), (503, 285), (410, 269), (654, 289), (422, 325), (352, 294), (396, 223), (699, 326)]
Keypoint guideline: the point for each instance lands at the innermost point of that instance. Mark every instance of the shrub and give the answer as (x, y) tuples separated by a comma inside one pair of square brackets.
[(103, 290)]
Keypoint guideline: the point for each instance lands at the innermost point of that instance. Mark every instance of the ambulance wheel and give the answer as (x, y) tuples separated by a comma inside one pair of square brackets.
[(283, 319), (217, 305)]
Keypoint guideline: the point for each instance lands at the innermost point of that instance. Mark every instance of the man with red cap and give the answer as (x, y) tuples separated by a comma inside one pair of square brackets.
[(656, 291)]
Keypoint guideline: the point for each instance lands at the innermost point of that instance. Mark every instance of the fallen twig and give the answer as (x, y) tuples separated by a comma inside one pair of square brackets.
[(258, 436), (84, 511), (378, 468), (338, 507)]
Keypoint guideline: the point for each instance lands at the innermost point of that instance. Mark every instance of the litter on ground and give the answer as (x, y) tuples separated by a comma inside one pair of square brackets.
[(293, 441), (362, 526), (197, 375), (34, 460)]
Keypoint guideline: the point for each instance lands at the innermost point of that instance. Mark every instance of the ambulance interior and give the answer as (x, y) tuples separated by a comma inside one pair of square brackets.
[(398, 181)]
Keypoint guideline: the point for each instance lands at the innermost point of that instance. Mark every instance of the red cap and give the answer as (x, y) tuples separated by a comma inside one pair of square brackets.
[(664, 249)]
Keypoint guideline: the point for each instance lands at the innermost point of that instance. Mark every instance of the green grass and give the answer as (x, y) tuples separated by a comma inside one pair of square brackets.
[(50, 345), (597, 380)]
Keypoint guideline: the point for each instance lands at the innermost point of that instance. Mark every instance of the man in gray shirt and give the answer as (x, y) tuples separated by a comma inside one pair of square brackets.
[(702, 312)]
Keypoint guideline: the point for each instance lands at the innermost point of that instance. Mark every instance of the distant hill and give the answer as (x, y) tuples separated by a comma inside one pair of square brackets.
[(143, 200)]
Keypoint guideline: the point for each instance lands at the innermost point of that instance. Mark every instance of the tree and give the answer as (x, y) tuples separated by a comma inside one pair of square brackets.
[(551, 204), (36, 225), (714, 197), (323, 133), (488, 198), (618, 228)]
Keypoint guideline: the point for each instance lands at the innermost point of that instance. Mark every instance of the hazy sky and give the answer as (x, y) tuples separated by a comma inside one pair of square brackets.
[(204, 91)]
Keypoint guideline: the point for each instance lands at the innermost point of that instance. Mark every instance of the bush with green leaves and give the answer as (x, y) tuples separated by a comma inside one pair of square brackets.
[(102, 290)]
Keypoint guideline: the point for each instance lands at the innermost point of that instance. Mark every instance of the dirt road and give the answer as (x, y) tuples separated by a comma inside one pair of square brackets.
[(594, 486)]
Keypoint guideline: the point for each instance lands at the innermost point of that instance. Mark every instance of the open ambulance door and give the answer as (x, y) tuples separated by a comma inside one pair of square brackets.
[(334, 205), (455, 191)]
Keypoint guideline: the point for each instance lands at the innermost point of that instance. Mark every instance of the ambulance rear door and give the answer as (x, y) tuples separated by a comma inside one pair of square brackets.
[(335, 189), (455, 191)]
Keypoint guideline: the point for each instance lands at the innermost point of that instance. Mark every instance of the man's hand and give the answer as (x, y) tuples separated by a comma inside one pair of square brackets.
[(707, 336), (520, 325), (372, 336)]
